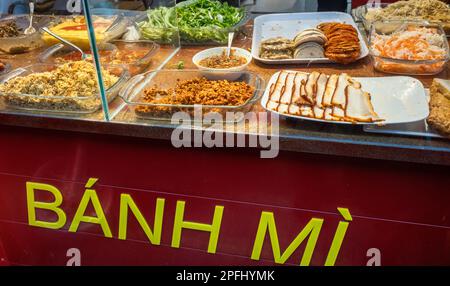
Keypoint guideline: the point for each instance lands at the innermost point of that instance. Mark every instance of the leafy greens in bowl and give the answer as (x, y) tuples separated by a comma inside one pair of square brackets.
[(198, 21)]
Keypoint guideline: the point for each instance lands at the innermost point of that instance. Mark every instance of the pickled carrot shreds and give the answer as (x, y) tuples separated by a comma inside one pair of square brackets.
[(412, 44)]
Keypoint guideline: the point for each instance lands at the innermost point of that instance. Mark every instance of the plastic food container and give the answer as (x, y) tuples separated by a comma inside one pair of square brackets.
[(406, 66), (133, 94), (222, 73), (58, 104), (135, 55), (22, 43)]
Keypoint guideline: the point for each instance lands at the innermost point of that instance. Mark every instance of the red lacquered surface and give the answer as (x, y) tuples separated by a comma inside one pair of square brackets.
[(400, 209)]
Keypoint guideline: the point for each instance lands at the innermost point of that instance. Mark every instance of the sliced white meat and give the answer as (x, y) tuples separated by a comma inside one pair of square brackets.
[(272, 105), (288, 90), (275, 95), (296, 98), (318, 112), (359, 106), (294, 109), (306, 110), (356, 84), (339, 94), (303, 96), (311, 87), (338, 112), (283, 108), (328, 114), (329, 90), (321, 85)]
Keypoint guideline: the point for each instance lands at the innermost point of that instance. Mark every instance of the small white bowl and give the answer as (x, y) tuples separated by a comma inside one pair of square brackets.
[(222, 74)]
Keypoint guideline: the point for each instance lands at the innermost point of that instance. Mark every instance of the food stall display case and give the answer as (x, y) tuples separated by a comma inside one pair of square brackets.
[(299, 148)]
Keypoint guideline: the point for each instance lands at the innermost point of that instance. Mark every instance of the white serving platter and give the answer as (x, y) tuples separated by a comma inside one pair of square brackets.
[(414, 129), (396, 99), (290, 24)]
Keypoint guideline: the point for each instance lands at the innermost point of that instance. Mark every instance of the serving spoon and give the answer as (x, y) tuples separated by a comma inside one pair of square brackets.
[(230, 41), (30, 29), (83, 54)]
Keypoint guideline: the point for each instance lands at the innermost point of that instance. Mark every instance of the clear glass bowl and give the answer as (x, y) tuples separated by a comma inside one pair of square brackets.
[(22, 43), (133, 94), (135, 55), (406, 66), (59, 104)]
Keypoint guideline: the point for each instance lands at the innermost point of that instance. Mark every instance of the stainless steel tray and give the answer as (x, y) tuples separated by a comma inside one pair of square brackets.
[(414, 129)]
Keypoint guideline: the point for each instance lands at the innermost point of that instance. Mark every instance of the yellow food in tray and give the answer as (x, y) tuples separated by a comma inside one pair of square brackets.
[(75, 30)]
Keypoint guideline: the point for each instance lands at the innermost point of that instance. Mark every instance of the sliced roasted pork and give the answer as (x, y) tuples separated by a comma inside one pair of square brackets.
[(321, 85), (311, 87), (359, 107), (288, 89), (300, 79), (277, 88), (315, 95), (329, 90), (339, 94)]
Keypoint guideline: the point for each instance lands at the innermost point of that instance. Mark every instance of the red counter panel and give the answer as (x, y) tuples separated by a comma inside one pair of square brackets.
[(401, 210)]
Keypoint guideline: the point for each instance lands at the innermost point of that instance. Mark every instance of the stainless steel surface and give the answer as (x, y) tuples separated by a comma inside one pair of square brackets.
[(414, 129)]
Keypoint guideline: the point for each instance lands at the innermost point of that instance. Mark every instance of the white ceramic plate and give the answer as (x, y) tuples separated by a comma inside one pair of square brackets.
[(290, 24), (396, 99)]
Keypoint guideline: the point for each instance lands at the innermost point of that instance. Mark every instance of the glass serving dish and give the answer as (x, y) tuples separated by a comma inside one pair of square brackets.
[(135, 55), (133, 95), (61, 53), (366, 13), (191, 36), (59, 104), (22, 43), (74, 29), (6, 68), (408, 66)]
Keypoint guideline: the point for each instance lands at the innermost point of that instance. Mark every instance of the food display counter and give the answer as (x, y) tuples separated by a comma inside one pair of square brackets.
[(129, 190)]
